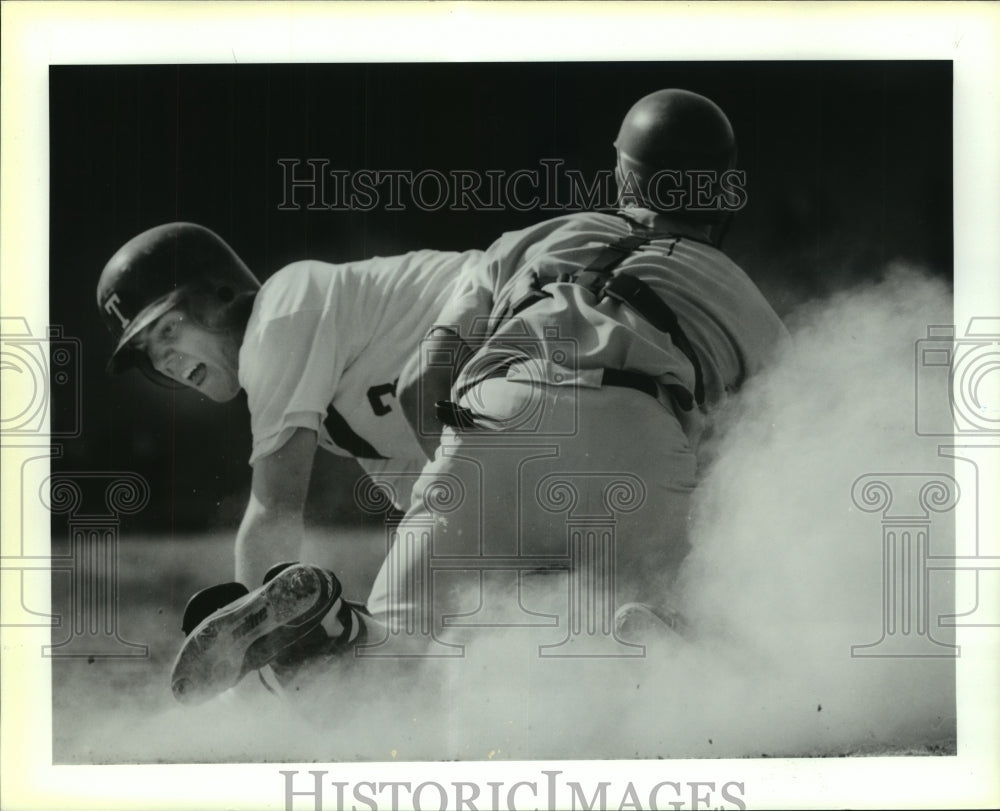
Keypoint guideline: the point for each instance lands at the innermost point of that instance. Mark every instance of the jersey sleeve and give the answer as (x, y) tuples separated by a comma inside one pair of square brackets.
[(471, 299), (297, 362)]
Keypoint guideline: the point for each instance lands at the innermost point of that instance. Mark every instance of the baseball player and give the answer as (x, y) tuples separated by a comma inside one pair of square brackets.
[(317, 348)]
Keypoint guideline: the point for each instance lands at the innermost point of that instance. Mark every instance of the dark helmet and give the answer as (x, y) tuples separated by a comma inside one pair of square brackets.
[(674, 130), (157, 270)]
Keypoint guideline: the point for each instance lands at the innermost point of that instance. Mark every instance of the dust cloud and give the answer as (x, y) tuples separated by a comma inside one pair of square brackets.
[(785, 577)]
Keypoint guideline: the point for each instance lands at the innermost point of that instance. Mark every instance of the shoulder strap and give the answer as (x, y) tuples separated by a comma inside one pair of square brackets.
[(638, 295), (594, 276)]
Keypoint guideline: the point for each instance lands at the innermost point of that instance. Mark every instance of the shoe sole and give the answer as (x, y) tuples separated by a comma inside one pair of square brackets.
[(247, 634)]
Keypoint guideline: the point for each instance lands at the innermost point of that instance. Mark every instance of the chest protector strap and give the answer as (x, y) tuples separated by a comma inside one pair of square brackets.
[(595, 275), (638, 295)]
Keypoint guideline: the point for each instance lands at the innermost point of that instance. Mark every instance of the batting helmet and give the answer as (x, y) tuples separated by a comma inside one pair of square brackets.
[(674, 130), (157, 270)]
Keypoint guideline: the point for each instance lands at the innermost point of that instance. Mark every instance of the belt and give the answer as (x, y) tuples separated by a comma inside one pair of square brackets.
[(456, 416)]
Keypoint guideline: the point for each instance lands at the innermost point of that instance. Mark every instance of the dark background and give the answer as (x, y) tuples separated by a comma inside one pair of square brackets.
[(848, 169)]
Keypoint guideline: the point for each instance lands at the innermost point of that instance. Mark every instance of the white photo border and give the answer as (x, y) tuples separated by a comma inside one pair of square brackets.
[(37, 35)]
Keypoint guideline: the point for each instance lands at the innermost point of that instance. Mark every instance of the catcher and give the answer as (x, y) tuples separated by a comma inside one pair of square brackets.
[(591, 351)]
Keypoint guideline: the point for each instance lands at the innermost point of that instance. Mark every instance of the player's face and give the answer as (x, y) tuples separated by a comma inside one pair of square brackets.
[(185, 351)]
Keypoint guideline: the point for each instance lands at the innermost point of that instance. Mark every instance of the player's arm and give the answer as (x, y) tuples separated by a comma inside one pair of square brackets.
[(430, 372), (426, 379), (272, 527)]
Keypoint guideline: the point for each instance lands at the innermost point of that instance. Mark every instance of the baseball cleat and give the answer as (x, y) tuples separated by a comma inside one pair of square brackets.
[(250, 632), (207, 601)]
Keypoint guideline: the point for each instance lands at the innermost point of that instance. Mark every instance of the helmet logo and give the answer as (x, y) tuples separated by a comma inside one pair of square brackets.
[(111, 306)]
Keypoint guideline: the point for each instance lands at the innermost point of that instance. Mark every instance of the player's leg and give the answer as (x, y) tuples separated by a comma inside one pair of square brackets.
[(555, 461), (619, 492), (446, 517), (650, 527)]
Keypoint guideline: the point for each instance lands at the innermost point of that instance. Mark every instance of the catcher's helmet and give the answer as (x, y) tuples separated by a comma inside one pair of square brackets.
[(676, 130), (155, 271)]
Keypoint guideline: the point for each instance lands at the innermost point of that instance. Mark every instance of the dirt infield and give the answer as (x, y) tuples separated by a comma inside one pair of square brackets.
[(97, 700), (497, 703)]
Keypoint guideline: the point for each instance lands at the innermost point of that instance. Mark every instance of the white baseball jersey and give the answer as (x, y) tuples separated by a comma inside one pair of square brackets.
[(325, 345)]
